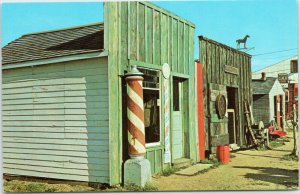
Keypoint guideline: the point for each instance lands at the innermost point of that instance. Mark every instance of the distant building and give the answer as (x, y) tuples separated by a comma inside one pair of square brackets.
[(287, 73), (268, 100)]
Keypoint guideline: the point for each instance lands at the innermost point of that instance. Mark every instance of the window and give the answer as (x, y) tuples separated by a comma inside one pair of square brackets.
[(151, 105), (287, 95), (294, 66), (176, 104)]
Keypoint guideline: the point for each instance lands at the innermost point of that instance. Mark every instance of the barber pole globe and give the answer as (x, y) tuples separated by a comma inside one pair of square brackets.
[(135, 113)]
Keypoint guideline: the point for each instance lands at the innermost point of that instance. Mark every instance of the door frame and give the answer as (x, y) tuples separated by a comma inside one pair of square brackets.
[(184, 105)]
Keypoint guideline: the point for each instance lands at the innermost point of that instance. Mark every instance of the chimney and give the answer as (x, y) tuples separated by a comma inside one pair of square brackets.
[(263, 76)]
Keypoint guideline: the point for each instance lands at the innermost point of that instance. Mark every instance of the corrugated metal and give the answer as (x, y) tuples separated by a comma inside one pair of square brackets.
[(55, 121)]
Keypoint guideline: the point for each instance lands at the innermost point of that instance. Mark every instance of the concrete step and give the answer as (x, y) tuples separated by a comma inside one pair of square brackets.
[(182, 163), (234, 147)]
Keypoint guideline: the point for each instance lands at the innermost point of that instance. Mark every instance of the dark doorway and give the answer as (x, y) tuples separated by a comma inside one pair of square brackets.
[(232, 112)]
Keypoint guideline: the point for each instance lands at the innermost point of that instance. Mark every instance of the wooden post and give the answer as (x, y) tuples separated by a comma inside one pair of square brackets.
[(200, 104), (277, 114), (295, 126)]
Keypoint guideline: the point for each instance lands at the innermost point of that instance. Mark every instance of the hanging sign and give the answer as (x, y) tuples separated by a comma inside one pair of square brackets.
[(166, 70)]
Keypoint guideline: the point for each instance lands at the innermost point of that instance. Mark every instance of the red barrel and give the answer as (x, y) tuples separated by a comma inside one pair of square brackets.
[(223, 153)]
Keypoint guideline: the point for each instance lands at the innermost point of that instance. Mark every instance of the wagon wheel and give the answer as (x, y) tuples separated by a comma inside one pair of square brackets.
[(221, 106)]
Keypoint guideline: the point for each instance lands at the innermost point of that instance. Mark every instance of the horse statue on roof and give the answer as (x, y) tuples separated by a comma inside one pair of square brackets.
[(243, 40)]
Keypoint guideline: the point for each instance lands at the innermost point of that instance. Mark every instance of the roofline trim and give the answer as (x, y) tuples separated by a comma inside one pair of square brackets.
[(201, 37), (277, 63), (66, 28), (75, 57), (168, 13)]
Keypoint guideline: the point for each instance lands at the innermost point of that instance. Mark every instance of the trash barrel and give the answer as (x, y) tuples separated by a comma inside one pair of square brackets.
[(223, 153)]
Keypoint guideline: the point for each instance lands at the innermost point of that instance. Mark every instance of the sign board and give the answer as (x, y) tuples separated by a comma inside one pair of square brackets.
[(283, 78), (231, 69)]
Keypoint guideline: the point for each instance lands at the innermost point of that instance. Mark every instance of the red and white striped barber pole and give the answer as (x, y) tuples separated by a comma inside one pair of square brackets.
[(167, 155), (166, 74), (135, 113)]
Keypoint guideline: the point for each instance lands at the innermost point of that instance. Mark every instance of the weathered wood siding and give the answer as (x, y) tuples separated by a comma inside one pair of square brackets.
[(146, 35), (224, 67), (261, 108), (55, 121)]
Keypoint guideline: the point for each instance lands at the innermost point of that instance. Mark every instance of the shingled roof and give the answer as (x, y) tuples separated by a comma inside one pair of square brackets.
[(263, 87), (56, 43)]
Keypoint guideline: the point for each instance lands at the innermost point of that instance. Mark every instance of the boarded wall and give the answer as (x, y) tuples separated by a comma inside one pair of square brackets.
[(55, 121), (261, 109), (224, 67), (143, 34)]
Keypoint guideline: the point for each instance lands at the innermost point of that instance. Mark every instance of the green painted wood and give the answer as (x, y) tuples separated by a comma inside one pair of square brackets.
[(44, 157), (143, 26), (50, 153), (49, 109), (113, 18), (36, 173), (55, 141), (57, 129), (61, 164), (177, 135), (78, 148), (54, 112)]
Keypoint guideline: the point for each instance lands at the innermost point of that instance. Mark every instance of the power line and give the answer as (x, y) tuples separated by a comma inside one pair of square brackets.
[(275, 52)]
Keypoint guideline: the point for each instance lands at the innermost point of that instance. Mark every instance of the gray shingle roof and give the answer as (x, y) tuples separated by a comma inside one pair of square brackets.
[(263, 87), (57, 43)]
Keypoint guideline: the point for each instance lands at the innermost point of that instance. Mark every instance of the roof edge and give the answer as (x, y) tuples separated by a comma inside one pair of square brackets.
[(74, 57), (67, 28), (201, 37)]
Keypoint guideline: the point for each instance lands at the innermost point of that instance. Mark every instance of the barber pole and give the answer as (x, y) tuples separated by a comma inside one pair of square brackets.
[(167, 122), (135, 113)]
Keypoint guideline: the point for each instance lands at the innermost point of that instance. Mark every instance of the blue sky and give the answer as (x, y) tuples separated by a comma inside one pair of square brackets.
[(272, 24)]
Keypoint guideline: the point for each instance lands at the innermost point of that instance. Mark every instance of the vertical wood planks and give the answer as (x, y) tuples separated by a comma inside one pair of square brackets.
[(215, 56), (141, 33), (145, 33)]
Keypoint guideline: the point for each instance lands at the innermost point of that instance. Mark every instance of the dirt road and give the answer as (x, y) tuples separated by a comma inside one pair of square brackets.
[(248, 170)]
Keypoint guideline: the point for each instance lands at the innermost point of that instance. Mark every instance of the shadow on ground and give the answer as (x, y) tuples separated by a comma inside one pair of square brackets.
[(273, 175), (266, 156)]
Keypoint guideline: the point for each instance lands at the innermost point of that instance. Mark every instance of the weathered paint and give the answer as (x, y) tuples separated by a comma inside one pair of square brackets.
[(224, 67), (146, 35), (55, 121), (200, 110)]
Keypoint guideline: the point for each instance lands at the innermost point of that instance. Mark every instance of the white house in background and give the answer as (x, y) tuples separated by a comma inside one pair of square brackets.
[(288, 66), (286, 72)]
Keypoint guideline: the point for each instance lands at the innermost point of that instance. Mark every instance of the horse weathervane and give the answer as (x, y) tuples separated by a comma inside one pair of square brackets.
[(243, 40)]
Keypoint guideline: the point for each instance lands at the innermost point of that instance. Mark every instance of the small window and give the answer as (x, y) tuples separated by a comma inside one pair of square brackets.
[(176, 104), (287, 96), (294, 66)]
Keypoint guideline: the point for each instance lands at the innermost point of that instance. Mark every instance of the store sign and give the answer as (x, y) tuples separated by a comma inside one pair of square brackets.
[(231, 69), (283, 78)]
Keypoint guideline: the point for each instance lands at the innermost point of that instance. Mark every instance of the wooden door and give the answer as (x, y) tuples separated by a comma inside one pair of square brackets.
[(231, 126), (177, 121)]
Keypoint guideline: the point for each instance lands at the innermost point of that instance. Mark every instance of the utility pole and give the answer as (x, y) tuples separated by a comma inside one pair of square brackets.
[(295, 127)]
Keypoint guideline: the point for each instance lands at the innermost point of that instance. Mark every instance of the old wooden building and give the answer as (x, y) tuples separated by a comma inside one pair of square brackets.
[(64, 105), (227, 85), (268, 101), (287, 69)]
